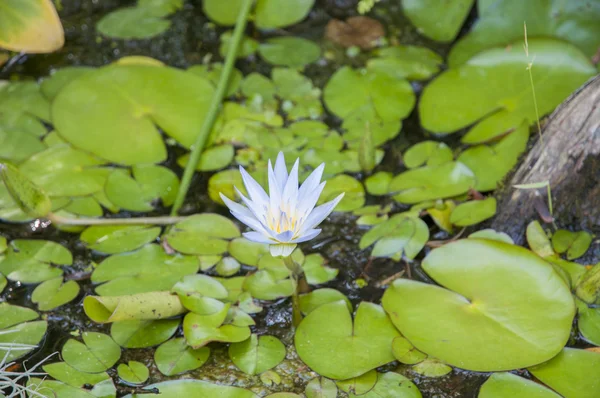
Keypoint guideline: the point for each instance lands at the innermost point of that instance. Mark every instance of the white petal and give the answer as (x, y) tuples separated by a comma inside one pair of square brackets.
[(252, 223), (274, 191), (290, 191), (311, 182), (235, 207), (282, 250), (308, 235), (259, 211), (281, 171), (255, 191), (319, 214), (257, 237), (284, 236), (308, 203)]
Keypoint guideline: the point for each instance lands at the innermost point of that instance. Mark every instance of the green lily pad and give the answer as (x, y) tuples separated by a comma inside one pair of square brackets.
[(500, 385), (86, 206), (355, 348), (501, 22), (127, 100), (59, 78), (315, 270), (16, 145), (493, 88), (247, 252), (572, 373), (3, 282), (133, 372), (257, 354), (19, 332), (133, 23), (51, 389), (145, 270), (354, 126), (141, 334), (289, 51), (405, 352), (311, 301), (392, 385), (201, 294), (175, 356), (538, 240), (269, 284), (97, 353), (54, 293), (199, 330), (212, 73), (481, 272), (202, 234), (430, 153), (196, 388), (440, 21), (588, 322), (575, 244), (473, 212), (64, 372), (214, 158), (406, 62), (349, 91), (34, 261), (378, 183), (588, 285), (30, 198), (247, 46), (228, 266), (359, 385), (432, 182), (401, 234), (111, 239), (493, 235), (321, 388), (269, 13), (24, 98), (354, 193), (256, 84), (432, 368)]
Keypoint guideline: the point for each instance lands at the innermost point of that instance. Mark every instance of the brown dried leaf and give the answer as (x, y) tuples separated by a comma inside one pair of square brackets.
[(363, 32)]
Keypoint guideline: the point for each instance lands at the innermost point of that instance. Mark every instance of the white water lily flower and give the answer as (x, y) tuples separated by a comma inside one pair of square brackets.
[(287, 216)]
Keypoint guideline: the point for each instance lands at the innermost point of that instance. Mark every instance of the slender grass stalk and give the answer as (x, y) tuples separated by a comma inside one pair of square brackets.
[(215, 105), (60, 220)]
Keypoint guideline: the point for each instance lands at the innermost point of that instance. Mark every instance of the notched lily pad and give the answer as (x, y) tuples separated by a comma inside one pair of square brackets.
[(175, 356), (257, 354), (34, 261), (97, 353)]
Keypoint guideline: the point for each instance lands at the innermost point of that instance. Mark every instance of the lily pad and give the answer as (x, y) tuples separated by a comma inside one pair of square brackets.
[(311, 301), (321, 388), (378, 184), (54, 293), (97, 353), (354, 347), (212, 73), (315, 270), (31, 27), (432, 182), (175, 356), (349, 91), (145, 270), (392, 385), (473, 212), (247, 252), (405, 352), (196, 388), (440, 21), (127, 101), (117, 239), (493, 88), (501, 22), (199, 330), (289, 51), (133, 372), (359, 385), (406, 62), (133, 23), (573, 373), (493, 235), (401, 234), (430, 153), (482, 272), (431, 367), (202, 234), (575, 244), (20, 333), (354, 193), (257, 354), (214, 158), (141, 334), (201, 294), (64, 372), (30, 198), (34, 261), (269, 284), (589, 323), (269, 13), (52, 388), (500, 385)]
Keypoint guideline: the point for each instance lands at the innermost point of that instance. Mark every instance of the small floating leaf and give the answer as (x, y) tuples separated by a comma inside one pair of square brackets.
[(111, 239), (392, 385), (34, 261), (196, 388), (359, 385), (199, 330), (19, 332), (436, 20), (201, 294), (321, 388), (257, 354), (406, 62), (500, 385), (311, 301), (289, 51), (175, 356), (574, 243), (432, 368), (202, 234), (133, 372), (430, 153), (354, 193), (473, 212), (62, 371), (141, 334), (97, 353), (405, 352), (54, 293)]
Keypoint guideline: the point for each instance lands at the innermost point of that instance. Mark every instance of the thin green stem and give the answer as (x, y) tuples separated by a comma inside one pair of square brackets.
[(60, 220), (295, 273), (215, 106)]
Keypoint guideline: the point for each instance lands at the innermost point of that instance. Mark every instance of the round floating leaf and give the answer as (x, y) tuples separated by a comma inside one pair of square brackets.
[(16, 146), (212, 73), (316, 272), (200, 294), (200, 330), (354, 348), (133, 23), (214, 158), (310, 301), (589, 323), (52, 388), (392, 385), (572, 373), (97, 353), (24, 100), (18, 335), (405, 352), (228, 266), (34, 261), (175, 356), (354, 193), (321, 388), (269, 284), (378, 183), (432, 368), (111, 239), (257, 354), (500, 385), (141, 334), (52, 85), (440, 21), (196, 388), (493, 86), (133, 372), (538, 240), (481, 274), (359, 385), (269, 13), (349, 91), (54, 293), (430, 153), (141, 306), (406, 62), (127, 100), (289, 51), (202, 234), (62, 371), (574, 243), (30, 198), (501, 22), (473, 212), (31, 27), (247, 252), (148, 269), (432, 182)]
